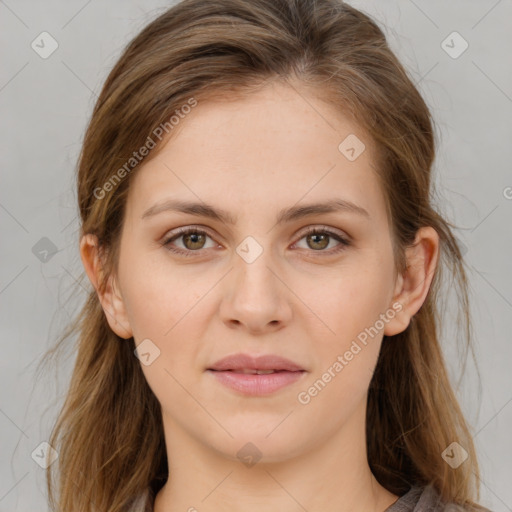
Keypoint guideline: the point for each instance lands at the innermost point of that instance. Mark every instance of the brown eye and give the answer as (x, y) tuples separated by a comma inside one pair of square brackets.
[(318, 239), (192, 240)]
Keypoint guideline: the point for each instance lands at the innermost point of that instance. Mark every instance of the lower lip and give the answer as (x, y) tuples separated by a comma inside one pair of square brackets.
[(254, 384)]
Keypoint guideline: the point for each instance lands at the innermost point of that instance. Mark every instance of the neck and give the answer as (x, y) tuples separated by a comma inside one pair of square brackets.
[(332, 476)]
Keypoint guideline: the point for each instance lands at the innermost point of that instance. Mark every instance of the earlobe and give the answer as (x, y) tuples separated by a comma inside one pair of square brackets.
[(414, 284), (115, 311), (400, 321), (109, 296)]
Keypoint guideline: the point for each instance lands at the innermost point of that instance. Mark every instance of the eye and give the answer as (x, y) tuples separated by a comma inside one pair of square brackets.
[(193, 240), (318, 238)]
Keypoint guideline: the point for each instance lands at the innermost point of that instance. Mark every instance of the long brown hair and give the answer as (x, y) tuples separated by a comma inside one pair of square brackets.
[(109, 433)]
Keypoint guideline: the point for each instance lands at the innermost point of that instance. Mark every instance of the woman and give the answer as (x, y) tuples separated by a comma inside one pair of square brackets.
[(262, 328)]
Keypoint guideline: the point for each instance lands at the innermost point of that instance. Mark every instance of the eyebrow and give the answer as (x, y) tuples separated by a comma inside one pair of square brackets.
[(285, 215)]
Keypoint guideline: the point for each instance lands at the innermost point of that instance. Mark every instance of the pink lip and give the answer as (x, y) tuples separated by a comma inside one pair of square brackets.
[(245, 361), (256, 385), (225, 371)]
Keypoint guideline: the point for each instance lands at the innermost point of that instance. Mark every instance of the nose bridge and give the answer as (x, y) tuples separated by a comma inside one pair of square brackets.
[(256, 296), (253, 266)]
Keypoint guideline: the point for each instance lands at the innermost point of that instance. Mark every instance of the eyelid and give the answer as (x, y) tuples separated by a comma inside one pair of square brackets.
[(304, 231), (175, 233), (323, 228)]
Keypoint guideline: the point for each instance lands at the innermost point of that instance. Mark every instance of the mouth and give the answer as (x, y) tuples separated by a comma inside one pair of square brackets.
[(256, 376)]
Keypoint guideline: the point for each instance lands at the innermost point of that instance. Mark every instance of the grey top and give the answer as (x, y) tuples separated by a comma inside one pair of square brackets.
[(417, 499), (423, 499)]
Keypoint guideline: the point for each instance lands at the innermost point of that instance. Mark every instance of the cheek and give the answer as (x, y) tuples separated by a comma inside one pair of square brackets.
[(353, 306), (158, 301), (354, 300), (163, 307), (345, 360)]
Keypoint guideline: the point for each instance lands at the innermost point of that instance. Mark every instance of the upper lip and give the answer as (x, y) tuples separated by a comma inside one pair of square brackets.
[(248, 362)]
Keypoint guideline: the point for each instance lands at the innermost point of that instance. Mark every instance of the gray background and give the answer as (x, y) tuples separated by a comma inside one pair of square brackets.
[(46, 103)]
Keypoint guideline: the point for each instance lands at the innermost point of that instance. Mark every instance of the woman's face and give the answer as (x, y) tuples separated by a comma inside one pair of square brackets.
[(256, 282)]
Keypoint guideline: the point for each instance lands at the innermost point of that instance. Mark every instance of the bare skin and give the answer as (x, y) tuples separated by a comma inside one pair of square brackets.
[(299, 299)]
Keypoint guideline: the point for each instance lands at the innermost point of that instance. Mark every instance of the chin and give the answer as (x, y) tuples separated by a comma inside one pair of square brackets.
[(258, 444)]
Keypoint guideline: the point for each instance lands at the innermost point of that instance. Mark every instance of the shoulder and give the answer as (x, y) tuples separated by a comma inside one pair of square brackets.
[(426, 499)]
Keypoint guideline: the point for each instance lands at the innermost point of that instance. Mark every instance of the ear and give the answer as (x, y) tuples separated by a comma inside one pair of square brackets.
[(412, 286), (109, 297)]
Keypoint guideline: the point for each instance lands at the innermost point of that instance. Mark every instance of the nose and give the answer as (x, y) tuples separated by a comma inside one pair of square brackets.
[(255, 296)]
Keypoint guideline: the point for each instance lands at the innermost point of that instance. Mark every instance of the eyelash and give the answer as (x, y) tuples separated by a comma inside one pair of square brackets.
[(344, 242)]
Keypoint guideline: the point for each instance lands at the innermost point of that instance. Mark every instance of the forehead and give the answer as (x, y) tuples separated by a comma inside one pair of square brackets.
[(269, 149)]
